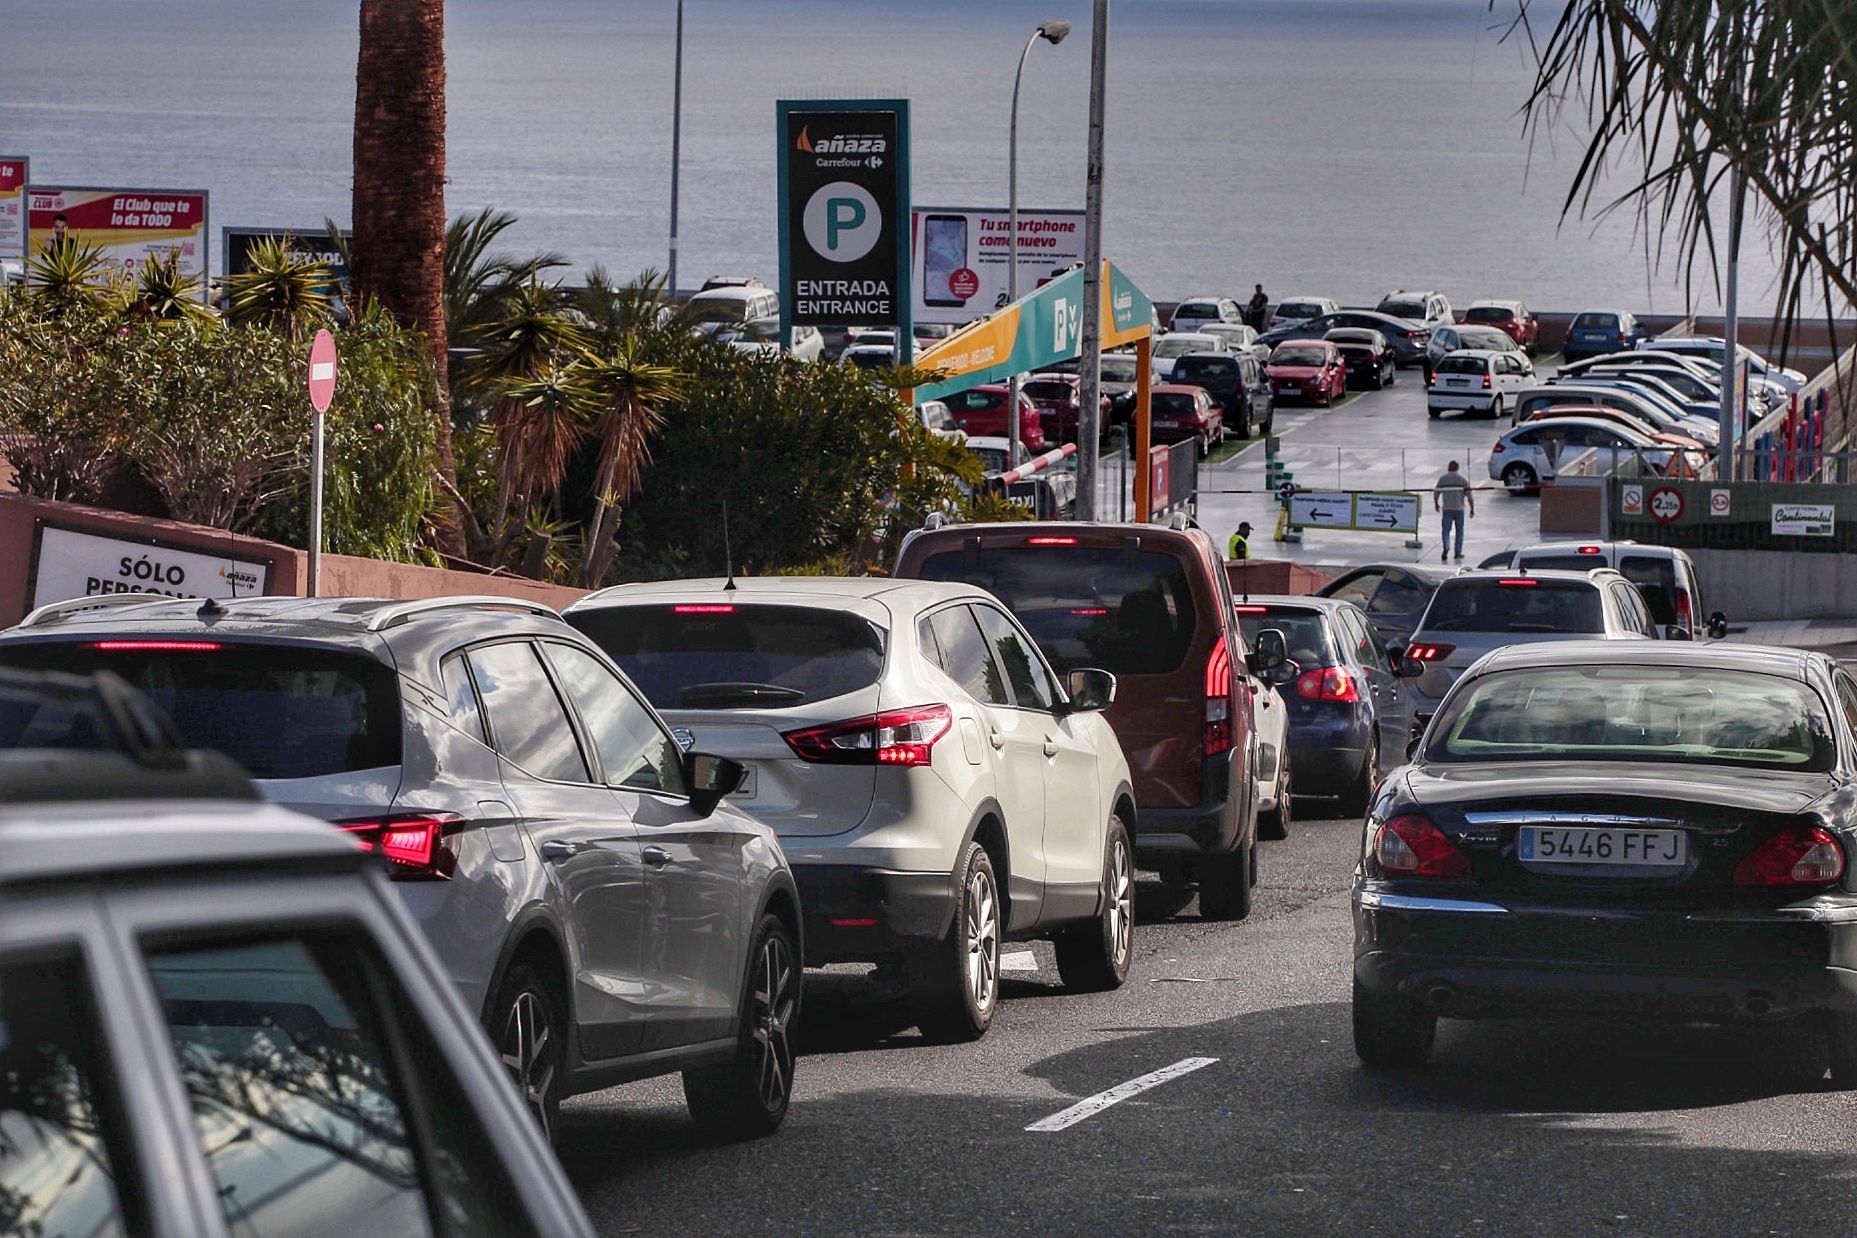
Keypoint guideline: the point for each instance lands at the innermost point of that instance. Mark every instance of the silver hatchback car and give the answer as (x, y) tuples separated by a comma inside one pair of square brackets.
[(576, 872)]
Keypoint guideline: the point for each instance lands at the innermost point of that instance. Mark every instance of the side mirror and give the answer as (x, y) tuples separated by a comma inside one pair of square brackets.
[(1403, 667), (1676, 631), (1419, 723), (1282, 673), (1269, 651), (709, 779), (1089, 689), (1718, 625)]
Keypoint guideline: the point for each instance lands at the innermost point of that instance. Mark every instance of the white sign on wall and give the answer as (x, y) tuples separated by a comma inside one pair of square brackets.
[(74, 565), (1805, 519)]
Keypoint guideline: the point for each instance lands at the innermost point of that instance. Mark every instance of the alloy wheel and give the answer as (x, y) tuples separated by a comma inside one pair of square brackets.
[(774, 1004), (528, 1052), (982, 940), (1121, 903)]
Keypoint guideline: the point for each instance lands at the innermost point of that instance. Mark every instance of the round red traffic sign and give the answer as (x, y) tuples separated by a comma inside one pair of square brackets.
[(964, 283), (322, 371), (1666, 504)]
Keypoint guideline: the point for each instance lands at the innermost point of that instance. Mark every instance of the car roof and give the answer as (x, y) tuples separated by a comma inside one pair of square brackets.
[(1200, 300), (1627, 546), (1603, 422), (1479, 576), (1308, 601), (1209, 356), (1699, 655), (1486, 354), (1493, 303), (836, 592), (1315, 342), (1304, 297), (1180, 388), (1412, 292)]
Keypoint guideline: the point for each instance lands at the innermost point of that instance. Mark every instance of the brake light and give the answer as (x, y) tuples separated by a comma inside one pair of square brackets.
[(416, 846), (1251, 610), (1089, 611), (1518, 582), (1327, 683), (703, 608), (1430, 653), (1218, 699), (1590, 550), (156, 646), (895, 737), (1486, 380), (1411, 846), (1050, 541), (1498, 449), (1684, 614), (1802, 855)]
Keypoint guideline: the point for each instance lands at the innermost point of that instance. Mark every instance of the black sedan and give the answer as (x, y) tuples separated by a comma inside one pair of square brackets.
[(1409, 339), (1615, 829), (1394, 595), (1367, 355)]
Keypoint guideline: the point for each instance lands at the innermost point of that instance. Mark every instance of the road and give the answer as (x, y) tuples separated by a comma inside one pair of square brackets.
[(1573, 1128)]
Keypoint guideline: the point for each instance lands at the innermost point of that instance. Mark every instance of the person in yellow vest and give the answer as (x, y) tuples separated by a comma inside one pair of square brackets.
[(1240, 545)]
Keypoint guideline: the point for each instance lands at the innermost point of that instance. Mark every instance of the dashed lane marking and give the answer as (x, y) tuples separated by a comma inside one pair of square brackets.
[(1090, 1106)]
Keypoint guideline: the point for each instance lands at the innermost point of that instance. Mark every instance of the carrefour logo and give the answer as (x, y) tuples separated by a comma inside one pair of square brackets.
[(842, 222)]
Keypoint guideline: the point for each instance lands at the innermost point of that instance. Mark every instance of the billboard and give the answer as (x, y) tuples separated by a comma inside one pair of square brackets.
[(130, 224), (70, 563), (961, 257), (312, 243), (13, 178), (844, 205)]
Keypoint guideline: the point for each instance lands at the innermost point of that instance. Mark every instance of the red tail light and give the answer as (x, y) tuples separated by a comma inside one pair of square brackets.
[(1411, 846), (1219, 699), (156, 646), (416, 846), (703, 608), (1804, 855), (1519, 582), (1591, 550), (1252, 610), (1684, 614), (1498, 449), (1050, 541), (1430, 653), (1327, 683), (1486, 380), (895, 737)]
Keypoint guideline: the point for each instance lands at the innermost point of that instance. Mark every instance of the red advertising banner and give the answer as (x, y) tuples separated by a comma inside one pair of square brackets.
[(131, 225), (13, 180)]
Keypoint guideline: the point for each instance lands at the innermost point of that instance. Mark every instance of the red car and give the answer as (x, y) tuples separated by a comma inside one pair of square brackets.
[(1510, 316), (1179, 412), (981, 411), (1312, 371), (1059, 407)]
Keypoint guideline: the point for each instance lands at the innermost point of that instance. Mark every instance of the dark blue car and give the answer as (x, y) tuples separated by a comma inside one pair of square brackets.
[(1350, 712), (1596, 333)]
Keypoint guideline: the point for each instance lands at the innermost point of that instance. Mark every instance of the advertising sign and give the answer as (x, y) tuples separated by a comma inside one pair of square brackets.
[(1388, 512), (131, 225), (13, 180), (1805, 519), (69, 564), (961, 257), (236, 245), (844, 205)]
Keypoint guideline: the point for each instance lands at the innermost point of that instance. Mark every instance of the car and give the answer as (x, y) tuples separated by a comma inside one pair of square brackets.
[(981, 411), (1347, 704), (1477, 380), (941, 788), (594, 903), (1237, 384), (1369, 358), (761, 337), (1641, 404), (1653, 388), (1617, 417), (1530, 454), (872, 354), (1450, 338), (991, 448), (1151, 605), (937, 420), (1511, 316), (1715, 348), (1239, 338), (1474, 612), (1613, 829), (730, 302), (1409, 339), (1060, 410), (1691, 381), (1194, 313), (1115, 378), (1602, 331), (1178, 412), (1429, 308), (1291, 311), (1308, 370), (1393, 595), (1665, 577), (1166, 348)]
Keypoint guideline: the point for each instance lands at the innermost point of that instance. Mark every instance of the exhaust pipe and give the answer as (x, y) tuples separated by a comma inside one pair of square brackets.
[(1441, 998), (1757, 1004)]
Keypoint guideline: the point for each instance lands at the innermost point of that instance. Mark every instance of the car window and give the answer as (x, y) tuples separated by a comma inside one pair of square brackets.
[(461, 701), (1592, 321), (1367, 650), (1486, 313), (1459, 364), (1847, 700), (1656, 582), (634, 751), (965, 657), (1525, 438), (320, 1104), (61, 1159), (1360, 588), (528, 720), (1522, 604), (1305, 634), (1398, 594), (1031, 686)]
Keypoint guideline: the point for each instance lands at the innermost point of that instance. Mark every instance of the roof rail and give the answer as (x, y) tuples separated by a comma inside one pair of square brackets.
[(401, 612), (108, 601)]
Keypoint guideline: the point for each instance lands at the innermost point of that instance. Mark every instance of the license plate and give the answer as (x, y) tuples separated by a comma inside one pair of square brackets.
[(1457, 382), (1609, 847), (746, 790)]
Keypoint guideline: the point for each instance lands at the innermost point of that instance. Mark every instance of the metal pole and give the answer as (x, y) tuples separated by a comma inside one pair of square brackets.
[(1726, 455), (1089, 365), (315, 513), (1012, 235), (670, 278)]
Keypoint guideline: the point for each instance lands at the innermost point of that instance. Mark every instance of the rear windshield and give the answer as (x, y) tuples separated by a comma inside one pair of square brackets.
[(1606, 321), (1129, 614), (1403, 309), (1298, 309), (1048, 391), (1487, 313), (1298, 356), (1463, 365), (1303, 631), (1174, 402), (281, 711), (726, 656), (1493, 606), (1118, 369), (1189, 368), (1195, 311)]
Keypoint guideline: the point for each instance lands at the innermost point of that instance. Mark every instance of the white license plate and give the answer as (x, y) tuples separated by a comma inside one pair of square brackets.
[(1457, 382), (746, 790), (1608, 847)]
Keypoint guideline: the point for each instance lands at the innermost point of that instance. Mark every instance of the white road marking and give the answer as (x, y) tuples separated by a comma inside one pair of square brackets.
[(1018, 960), (1090, 1106)]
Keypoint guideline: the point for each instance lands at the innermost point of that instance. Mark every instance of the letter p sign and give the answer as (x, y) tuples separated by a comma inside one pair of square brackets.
[(842, 222), (842, 215)]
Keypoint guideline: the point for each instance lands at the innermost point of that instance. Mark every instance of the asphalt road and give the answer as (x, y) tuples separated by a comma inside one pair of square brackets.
[(1556, 1128)]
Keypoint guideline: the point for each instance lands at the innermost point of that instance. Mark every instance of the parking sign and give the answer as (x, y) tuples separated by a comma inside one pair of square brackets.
[(844, 213)]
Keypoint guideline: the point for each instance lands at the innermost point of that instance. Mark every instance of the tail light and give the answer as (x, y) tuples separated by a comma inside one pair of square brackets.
[(1519, 582), (1685, 615), (1800, 856), (1486, 380), (1411, 846), (416, 846), (895, 737), (156, 646), (1219, 699), (1327, 683), (1430, 653), (1498, 449)]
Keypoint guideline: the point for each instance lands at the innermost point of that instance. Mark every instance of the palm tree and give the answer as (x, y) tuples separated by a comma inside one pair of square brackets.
[(481, 289), (615, 311), (282, 289), (633, 393), (541, 420)]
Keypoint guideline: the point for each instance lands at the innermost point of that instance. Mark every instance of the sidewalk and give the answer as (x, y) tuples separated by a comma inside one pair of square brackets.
[(1823, 634)]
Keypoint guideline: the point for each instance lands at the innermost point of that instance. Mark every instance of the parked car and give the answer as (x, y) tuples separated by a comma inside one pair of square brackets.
[(1194, 313), (1429, 308), (1393, 595), (591, 898), (1291, 311), (1151, 605), (1349, 713), (937, 420), (1239, 338), (1060, 410), (1654, 389), (1308, 370), (1665, 577), (1640, 404), (1237, 384), (1115, 378), (981, 412), (1451, 338), (1530, 454), (730, 301), (1512, 317), (1617, 417), (1602, 331), (1177, 344), (940, 786), (761, 337), (1366, 354), (1715, 348), (1178, 412), (1409, 339), (1475, 380), (1701, 369), (1597, 829), (991, 448), (1475, 612)]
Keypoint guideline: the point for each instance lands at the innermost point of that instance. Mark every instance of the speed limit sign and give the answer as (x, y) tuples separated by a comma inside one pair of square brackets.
[(1666, 504)]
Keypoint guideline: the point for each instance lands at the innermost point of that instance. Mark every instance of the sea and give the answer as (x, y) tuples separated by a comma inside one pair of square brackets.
[(1334, 148)]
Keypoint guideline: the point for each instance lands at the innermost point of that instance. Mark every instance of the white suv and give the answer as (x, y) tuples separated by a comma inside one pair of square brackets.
[(935, 785)]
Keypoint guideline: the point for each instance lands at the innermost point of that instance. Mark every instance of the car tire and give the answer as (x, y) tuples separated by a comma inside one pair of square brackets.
[(1275, 826), (1392, 1032), (1519, 478), (1496, 409), (1359, 794), (747, 1096), (528, 1026), (1243, 433), (1434, 413), (1094, 957), (954, 982), (1841, 1043), (1225, 882)]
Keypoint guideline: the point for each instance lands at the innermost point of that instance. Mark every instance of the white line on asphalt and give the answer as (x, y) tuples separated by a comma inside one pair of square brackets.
[(1018, 960), (1092, 1105)]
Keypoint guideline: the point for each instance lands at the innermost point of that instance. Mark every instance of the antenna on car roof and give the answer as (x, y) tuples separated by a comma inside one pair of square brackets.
[(210, 609), (728, 554)]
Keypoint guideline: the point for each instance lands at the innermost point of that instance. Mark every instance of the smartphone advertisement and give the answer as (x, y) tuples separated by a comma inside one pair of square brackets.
[(961, 256)]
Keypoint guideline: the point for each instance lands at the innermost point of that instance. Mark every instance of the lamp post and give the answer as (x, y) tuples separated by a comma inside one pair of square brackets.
[(670, 276), (1052, 32), (1089, 375)]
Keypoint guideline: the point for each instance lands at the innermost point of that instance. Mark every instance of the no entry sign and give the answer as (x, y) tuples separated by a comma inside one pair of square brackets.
[(322, 372)]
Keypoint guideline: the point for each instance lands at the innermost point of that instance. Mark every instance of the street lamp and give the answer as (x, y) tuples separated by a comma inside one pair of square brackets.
[(1052, 32), (670, 277)]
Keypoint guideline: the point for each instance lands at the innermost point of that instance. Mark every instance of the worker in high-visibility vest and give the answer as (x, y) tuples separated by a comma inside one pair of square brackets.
[(1240, 545)]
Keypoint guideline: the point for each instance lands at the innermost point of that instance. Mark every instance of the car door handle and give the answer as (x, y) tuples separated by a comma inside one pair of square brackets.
[(996, 739), (1050, 747), (657, 857), (557, 851)]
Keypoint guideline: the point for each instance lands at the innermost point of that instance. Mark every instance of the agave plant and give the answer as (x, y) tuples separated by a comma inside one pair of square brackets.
[(283, 290), (70, 276), (166, 293)]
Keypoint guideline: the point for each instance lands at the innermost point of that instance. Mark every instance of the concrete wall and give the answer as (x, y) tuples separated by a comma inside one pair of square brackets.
[(1273, 576), (1759, 585)]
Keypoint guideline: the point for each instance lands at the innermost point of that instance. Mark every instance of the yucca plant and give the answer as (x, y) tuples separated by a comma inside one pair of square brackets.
[(541, 420), (70, 276), (166, 293), (284, 290), (633, 392)]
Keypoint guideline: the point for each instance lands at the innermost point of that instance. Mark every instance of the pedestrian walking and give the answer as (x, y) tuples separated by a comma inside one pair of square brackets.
[(1239, 547), (1452, 497), (1260, 302)]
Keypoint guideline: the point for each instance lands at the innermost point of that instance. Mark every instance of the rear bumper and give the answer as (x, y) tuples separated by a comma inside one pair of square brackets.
[(1479, 402), (1213, 826), (861, 915)]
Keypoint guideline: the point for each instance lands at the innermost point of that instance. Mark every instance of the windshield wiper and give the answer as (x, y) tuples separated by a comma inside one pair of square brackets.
[(727, 695)]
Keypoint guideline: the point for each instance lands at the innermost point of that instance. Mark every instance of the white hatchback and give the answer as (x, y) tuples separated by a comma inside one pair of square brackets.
[(1477, 380), (936, 787), (1292, 310)]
